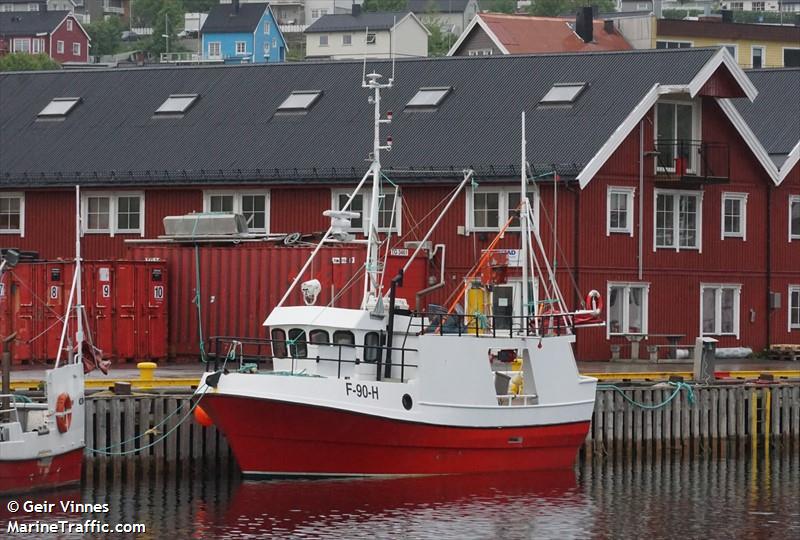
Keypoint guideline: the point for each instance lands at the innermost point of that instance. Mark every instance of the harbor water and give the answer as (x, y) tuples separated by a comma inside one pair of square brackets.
[(734, 497)]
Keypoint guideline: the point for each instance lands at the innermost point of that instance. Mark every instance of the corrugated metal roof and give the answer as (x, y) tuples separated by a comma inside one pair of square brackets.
[(774, 116), (233, 134), (225, 18), (26, 23), (362, 21)]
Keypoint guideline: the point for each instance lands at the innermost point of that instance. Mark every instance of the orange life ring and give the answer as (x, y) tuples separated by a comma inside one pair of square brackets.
[(594, 301), (63, 412)]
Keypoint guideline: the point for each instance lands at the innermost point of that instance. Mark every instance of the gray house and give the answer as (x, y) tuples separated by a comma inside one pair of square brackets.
[(452, 15)]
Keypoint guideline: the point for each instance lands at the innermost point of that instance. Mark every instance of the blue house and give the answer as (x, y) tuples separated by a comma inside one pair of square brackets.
[(242, 34)]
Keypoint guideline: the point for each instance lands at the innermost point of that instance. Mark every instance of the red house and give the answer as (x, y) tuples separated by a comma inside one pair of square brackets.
[(56, 33), (659, 193)]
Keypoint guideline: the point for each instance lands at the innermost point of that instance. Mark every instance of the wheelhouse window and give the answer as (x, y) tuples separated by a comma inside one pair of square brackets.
[(278, 343), (344, 337), (12, 213), (254, 206), (734, 215), (372, 347), (794, 217), (389, 210), (627, 308), (678, 217), (297, 343), (676, 131), (319, 337), (719, 309), (113, 213), (619, 216), (794, 307), (488, 209)]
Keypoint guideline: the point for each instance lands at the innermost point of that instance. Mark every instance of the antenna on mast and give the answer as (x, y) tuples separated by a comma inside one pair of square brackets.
[(391, 46), (364, 68)]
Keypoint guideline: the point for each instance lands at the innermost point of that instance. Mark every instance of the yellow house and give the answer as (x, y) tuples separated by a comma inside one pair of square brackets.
[(753, 45)]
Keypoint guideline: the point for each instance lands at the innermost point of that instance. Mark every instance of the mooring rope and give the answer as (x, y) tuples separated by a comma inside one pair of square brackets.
[(678, 387)]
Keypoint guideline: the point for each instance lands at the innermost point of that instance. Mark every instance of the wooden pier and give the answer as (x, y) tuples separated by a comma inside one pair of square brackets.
[(722, 419)]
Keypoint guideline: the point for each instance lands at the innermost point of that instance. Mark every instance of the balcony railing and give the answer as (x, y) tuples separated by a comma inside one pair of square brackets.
[(692, 161)]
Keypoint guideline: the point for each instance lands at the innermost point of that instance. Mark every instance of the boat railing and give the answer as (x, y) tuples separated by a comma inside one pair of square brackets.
[(263, 350), (8, 408), (498, 326), (517, 399)]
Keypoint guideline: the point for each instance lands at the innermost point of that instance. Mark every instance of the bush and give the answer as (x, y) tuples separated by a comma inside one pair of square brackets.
[(27, 62)]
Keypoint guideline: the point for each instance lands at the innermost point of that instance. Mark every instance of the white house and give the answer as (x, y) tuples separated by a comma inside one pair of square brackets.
[(451, 15), (366, 35)]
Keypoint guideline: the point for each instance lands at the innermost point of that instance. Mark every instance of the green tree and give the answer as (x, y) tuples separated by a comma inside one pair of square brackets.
[(145, 12), (500, 6), (384, 5), (27, 62), (439, 41), (168, 21), (106, 36), (552, 8)]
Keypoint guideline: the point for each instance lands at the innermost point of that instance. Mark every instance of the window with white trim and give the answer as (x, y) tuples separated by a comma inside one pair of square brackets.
[(737, 6), (757, 6), (734, 215), (619, 214), (347, 40), (21, 45), (60, 47), (673, 44), (12, 213), (214, 49), (113, 213), (37, 46), (719, 309), (794, 307), (241, 47), (794, 217), (253, 205), (678, 220), (266, 27), (488, 208), (627, 308), (76, 49), (757, 57), (323, 40), (69, 25), (480, 52), (389, 212)]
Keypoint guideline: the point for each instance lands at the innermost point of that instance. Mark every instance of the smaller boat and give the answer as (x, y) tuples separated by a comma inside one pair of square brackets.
[(42, 442)]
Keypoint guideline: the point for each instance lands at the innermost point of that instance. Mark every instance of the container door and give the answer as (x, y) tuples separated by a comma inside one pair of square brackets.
[(55, 304), (102, 307), (156, 311), (125, 281), (23, 311)]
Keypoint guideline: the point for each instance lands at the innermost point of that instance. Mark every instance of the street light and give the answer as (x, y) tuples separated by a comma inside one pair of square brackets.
[(166, 29)]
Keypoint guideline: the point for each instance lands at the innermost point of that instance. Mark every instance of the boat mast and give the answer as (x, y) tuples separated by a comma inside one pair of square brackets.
[(523, 223), (372, 275), (79, 281)]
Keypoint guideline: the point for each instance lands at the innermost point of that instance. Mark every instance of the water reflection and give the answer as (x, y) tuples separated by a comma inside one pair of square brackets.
[(609, 498)]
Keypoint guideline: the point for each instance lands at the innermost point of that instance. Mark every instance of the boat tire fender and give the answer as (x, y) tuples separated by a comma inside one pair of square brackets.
[(63, 412)]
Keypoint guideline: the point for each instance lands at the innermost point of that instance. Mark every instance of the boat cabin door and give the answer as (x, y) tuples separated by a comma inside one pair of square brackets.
[(503, 306)]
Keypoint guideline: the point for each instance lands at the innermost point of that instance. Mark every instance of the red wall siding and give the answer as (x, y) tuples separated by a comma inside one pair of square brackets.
[(785, 258)]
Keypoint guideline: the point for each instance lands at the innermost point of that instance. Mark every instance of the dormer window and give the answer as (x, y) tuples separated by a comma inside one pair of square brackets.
[(59, 108), (563, 94), (428, 98), (300, 101), (176, 104)]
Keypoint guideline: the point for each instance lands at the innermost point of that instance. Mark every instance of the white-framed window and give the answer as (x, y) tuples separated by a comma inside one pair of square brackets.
[(791, 57), (719, 309), (118, 212), (241, 47), (619, 213), (76, 49), (37, 46), (678, 219), (757, 6), (253, 205), (479, 52), (323, 40), (315, 14), (757, 56), (266, 48), (737, 6), (22, 45), (69, 25), (627, 308), (677, 127), (488, 208), (389, 211), (12, 213), (673, 44), (734, 215), (347, 40), (794, 217), (214, 49), (266, 27), (60, 47), (372, 39), (794, 307)]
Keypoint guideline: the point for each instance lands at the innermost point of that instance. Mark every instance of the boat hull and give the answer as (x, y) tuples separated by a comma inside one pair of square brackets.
[(22, 475), (276, 438)]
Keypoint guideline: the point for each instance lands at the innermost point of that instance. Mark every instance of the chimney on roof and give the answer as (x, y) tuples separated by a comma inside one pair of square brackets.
[(236, 6), (727, 15), (608, 26), (356, 10), (584, 26)]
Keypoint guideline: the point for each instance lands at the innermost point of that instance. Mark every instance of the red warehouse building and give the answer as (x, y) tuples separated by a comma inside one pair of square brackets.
[(648, 183), (55, 33)]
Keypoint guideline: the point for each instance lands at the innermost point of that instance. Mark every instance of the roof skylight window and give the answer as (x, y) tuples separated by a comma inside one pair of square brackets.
[(428, 98), (177, 104), (300, 101), (563, 94), (59, 108)]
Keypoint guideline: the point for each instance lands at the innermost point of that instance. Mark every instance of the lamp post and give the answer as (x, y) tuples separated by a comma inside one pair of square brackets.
[(165, 35)]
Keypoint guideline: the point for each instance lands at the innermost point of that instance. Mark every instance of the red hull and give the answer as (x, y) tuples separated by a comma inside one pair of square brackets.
[(279, 438), (45, 473)]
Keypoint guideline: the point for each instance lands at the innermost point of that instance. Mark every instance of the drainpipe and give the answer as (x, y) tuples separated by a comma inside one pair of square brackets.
[(576, 233), (641, 197), (768, 312), (435, 286)]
